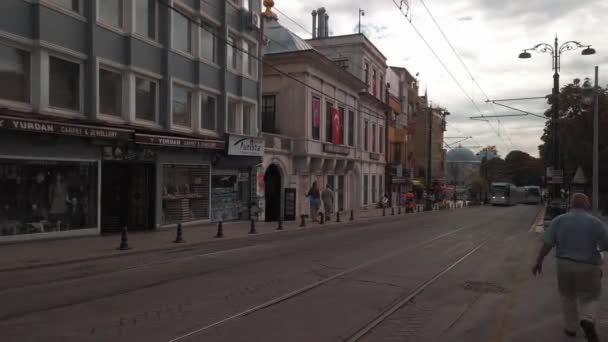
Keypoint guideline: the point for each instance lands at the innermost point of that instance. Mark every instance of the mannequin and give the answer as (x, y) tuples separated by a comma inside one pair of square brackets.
[(38, 198), (58, 199)]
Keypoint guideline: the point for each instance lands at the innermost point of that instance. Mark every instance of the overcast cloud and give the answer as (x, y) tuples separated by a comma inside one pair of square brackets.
[(489, 35)]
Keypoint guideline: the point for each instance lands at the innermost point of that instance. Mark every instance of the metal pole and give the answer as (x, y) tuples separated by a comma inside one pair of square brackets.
[(429, 178), (359, 21), (596, 193), (554, 121)]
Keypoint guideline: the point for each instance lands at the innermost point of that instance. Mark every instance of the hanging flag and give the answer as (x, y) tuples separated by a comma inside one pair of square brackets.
[(316, 116), (336, 139)]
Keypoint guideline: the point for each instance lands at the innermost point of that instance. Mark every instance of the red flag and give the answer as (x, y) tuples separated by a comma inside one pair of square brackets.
[(336, 139), (315, 114), (374, 91)]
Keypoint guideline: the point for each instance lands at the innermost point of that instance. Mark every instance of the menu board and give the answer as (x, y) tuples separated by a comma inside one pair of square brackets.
[(290, 204)]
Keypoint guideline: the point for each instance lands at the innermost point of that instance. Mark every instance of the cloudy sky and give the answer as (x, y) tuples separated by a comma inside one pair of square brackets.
[(488, 35)]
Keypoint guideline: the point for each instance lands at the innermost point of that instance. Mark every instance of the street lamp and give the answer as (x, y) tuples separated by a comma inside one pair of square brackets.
[(361, 14), (556, 53)]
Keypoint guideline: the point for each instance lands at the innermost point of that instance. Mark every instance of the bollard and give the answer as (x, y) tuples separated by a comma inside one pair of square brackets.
[(178, 237), (124, 240), (352, 214), (280, 227), (303, 224), (392, 211), (220, 230), (252, 230), (338, 217), (383, 211), (322, 218)]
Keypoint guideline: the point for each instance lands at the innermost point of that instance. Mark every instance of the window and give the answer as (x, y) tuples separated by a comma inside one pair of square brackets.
[(185, 192), (373, 189), (248, 115), (182, 106), (73, 5), (249, 55), (145, 18), (331, 182), (366, 75), (232, 113), (351, 128), (316, 118), (145, 99), (396, 147), (208, 43), (14, 74), (373, 137), (245, 4), (341, 114), (366, 136), (110, 12), (231, 55), (208, 112), (328, 122), (110, 92), (381, 94), (269, 113), (365, 189), (374, 83), (381, 139), (64, 84), (182, 33)]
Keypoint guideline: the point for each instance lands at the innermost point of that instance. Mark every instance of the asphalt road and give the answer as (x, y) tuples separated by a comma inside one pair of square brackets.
[(443, 276)]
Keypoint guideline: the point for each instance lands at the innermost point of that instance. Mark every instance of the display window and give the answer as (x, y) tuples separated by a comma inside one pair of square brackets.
[(230, 195), (41, 196), (185, 193)]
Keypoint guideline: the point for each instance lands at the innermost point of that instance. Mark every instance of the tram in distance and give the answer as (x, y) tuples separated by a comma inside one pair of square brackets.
[(506, 194), (532, 195)]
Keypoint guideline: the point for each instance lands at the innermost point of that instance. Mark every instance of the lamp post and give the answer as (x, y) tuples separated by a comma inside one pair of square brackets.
[(556, 53), (361, 14)]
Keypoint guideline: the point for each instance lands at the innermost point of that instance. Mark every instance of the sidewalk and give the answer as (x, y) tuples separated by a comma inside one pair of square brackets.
[(42, 253)]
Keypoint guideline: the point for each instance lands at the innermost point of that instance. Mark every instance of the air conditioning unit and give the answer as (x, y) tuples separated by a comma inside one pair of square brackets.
[(254, 21)]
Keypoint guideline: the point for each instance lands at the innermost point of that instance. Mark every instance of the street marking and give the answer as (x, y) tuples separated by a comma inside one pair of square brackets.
[(319, 283)]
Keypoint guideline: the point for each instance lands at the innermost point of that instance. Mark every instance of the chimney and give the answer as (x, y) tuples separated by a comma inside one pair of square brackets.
[(321, 28), (326, 26), (314, 24)]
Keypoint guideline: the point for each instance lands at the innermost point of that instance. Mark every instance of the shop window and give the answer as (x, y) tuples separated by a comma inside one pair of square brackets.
[(182, 33), (15, 74), (145, 99), (145, 18), (208, 112), (111, 12), (230, 193), (208, 43), (182, 106), (38, 196), (185, 193), (110, 92), (64, 84)]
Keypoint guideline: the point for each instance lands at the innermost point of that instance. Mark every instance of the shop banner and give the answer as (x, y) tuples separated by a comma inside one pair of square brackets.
[(260, 185), (336, 139), (245, 146), (50, 127), (162, 140), (328, 148)]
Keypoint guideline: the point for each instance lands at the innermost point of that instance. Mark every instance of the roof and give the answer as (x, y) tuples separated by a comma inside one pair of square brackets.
[(461, 154), (281, 39)]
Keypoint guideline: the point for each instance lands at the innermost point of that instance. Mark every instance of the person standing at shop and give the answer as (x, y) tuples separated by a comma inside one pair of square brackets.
[(314, 196), (327, 195)]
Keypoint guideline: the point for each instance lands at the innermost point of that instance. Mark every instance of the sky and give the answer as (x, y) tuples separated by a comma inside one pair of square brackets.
[(488, 35)]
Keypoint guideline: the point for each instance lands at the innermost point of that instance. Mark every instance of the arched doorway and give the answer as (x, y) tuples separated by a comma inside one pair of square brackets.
[(272, 184)]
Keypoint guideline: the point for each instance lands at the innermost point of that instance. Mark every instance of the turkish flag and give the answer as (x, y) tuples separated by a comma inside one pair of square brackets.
[(336, 139)]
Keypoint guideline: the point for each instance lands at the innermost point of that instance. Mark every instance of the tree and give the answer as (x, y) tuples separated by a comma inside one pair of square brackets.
[(523, 169)]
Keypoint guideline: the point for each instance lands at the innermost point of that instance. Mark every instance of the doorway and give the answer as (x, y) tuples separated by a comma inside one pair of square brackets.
[(272, 190), (127, 196)]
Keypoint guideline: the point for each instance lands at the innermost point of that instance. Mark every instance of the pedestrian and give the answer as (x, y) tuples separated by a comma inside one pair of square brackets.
[(385, 201), (578, 238), (327, 195), (409, 198), (314, 197)]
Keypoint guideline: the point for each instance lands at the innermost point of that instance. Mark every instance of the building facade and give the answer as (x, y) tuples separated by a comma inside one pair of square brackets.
[(359, 57), (309, 121), (129, 113), (428, 120), (397, 138)]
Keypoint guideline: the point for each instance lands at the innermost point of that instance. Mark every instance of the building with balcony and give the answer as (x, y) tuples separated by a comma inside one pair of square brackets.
[(309, 122), (126, 113), (358, 56)]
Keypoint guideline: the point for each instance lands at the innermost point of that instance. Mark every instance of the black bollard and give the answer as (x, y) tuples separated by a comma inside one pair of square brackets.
[(399, 211), (322, 219), (178, 237), (352, 214), (392, 211), (338, 217), (252, 230), (303, 223), (124, 240), (280, 227), (220, 230)]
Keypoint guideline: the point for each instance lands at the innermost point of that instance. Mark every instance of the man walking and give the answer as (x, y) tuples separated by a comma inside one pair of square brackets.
[(327, 195), (578, 237)]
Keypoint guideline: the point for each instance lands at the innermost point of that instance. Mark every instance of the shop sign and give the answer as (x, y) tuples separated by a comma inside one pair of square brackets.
[(401, 120), (397, 170), (49, 127), (290, 204), (260, 185), (374, 156), (245, 146), (161, 140), (336, 149), (398, 180)]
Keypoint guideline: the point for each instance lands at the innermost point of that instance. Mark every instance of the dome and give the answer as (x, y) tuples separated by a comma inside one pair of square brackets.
[(461, 154), (282, 40)]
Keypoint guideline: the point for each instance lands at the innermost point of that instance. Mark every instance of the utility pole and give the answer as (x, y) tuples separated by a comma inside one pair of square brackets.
[(596, 123), (429, 177), (361, 14)]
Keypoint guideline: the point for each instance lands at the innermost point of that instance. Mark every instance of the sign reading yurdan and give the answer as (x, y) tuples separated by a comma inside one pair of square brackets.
[(239, 145)]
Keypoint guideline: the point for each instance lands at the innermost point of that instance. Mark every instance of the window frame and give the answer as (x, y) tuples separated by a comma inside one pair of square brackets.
[(207, 94), (156, 99), (29, 78), (191, 43), (366, 135), (241, 102), (380, 139), (342, 116), (329, 131), (351, 128), (216, 43), (80, 63), (234, 48), (123, 77), (265, 113), (122, 21), (134, 19), (251, 61), (316, 130), (373, 137), (192, 91)]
